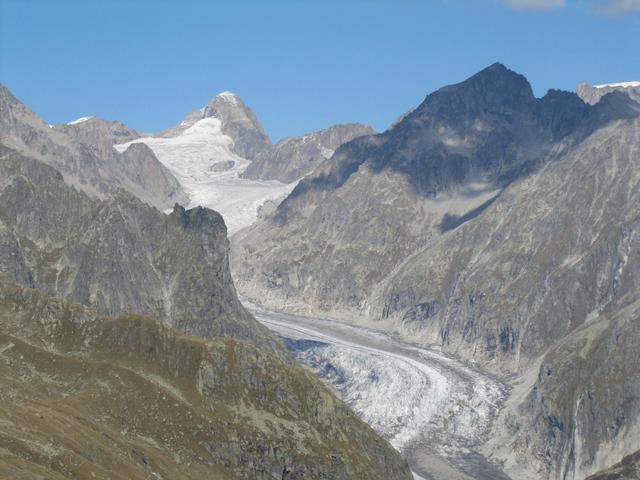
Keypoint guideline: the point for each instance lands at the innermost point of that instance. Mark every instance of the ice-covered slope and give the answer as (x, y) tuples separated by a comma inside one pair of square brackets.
[(202, 159)]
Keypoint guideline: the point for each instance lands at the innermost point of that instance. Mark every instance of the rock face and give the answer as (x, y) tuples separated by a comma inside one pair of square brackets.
[(119, 255), (85, 396), (627, 469), (501, 227), (294, 157), (592, 94), (82, 152)]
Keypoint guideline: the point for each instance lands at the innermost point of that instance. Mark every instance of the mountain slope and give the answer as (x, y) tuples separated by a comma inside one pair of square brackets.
[(82, 152), (294, 157), (627, 469), (85, 396), (119, 255), (363, 212), (502, 228)]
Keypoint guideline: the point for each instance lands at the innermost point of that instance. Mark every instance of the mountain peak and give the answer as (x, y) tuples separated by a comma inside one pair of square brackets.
[(497, 77), (228, 96), (80, 120), (495, 88)]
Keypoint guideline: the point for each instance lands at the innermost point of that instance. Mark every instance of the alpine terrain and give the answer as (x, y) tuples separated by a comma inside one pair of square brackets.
[(124, 350), (224, 160), (454, 298), (497, 228)]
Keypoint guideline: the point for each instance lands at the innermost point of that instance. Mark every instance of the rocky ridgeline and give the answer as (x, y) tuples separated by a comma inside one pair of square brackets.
[(592, 94), (83, 153), (288, 160), (294, 157), (119, 255)]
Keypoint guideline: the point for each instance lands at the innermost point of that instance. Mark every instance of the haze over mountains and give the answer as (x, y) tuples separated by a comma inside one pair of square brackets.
[(497, 229)]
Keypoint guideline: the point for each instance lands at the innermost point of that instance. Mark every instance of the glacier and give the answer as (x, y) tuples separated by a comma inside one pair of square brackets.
[(193, 156), (435, 410)]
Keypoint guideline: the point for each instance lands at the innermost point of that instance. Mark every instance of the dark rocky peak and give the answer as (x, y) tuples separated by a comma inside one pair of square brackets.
[(489, 127), (496, 89), (199, 218)]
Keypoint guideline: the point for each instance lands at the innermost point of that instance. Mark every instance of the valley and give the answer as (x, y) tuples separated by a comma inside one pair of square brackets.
[(436, 410)]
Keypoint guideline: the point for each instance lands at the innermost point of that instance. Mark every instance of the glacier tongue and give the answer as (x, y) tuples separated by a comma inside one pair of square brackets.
[(195, 157), (427, 405)]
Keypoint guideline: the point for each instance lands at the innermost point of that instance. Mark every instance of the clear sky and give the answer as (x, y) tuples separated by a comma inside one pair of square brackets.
[(300, 65)]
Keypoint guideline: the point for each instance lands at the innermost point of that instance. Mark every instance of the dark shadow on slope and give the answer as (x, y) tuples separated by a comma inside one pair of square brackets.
[(449, 222)]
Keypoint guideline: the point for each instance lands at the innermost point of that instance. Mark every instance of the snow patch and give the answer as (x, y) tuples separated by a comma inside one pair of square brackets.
[(619, 85), (229, 97), (326, 152), (79, 120)]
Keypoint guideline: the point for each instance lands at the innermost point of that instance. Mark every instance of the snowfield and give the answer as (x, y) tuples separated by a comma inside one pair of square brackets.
[(201, 159), (435, 410), (620, 85)]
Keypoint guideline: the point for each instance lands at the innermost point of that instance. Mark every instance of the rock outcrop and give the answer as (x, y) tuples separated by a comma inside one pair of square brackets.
[(592, 94), (119, 255), (627, 469)]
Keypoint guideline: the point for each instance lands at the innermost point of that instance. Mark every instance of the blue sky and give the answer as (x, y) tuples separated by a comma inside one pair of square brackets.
[(300, 65)]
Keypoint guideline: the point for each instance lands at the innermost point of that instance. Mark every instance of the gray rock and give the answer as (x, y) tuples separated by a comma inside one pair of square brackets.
[(593, 94), (84, 155), (294, 157), (120, 255), (501, 227)]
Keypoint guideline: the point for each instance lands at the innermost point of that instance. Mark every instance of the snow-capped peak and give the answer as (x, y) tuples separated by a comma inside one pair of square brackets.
[(229, 97), (80, 120), (619, 85)]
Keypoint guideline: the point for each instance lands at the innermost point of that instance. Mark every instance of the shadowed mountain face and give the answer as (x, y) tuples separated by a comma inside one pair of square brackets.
[(489, 127), (86, 396), (503, 228), (84, 155)]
